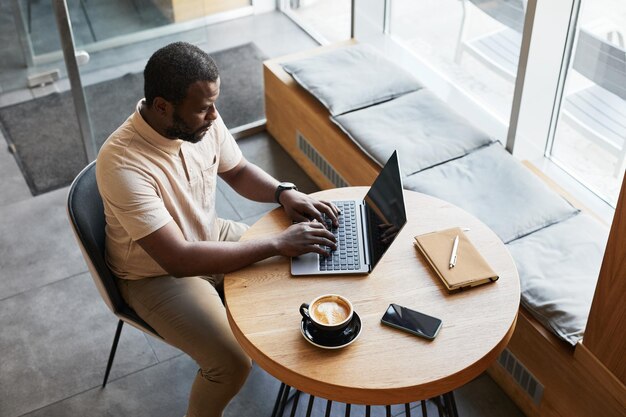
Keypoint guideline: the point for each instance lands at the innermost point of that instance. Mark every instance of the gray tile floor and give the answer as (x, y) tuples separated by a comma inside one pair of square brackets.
[(56, 331)]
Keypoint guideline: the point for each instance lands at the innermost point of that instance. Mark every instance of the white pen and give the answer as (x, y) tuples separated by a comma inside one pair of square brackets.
[(455, 246)]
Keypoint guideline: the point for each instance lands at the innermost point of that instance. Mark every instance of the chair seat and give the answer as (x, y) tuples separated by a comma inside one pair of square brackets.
[(500, 49), (602, 114)]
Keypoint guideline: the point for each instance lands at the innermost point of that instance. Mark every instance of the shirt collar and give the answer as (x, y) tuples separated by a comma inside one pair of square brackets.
[(151, 136)]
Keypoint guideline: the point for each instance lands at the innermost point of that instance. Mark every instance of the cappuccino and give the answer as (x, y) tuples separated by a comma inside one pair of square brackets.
[(330, 310)]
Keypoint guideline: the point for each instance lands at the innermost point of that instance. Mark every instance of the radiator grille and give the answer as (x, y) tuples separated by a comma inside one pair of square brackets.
[(320, 162), (521, 375)]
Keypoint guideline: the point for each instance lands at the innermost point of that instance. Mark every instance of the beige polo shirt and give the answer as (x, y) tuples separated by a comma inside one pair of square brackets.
[(147, 180)]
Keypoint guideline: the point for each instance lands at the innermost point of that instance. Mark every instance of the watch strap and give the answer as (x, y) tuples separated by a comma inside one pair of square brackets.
[(283, 186)]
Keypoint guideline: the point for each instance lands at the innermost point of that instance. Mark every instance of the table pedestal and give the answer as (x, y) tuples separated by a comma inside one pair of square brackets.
[(446, 405)]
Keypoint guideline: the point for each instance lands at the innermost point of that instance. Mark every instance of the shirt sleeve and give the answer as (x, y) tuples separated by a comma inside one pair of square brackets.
[(229, 153), (133, 198)]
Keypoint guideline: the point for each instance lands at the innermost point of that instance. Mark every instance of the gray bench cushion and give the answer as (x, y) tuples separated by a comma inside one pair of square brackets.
[(558, 268), (496, 188), (350, 78), (424, 130)]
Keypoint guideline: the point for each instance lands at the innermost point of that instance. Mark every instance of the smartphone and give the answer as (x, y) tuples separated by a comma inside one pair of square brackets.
[(412, 321)]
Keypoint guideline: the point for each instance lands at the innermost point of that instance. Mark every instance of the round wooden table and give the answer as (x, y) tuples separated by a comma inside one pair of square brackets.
[(384, 365)]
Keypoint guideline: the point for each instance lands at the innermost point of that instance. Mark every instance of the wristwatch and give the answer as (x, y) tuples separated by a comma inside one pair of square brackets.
[(283, 186)]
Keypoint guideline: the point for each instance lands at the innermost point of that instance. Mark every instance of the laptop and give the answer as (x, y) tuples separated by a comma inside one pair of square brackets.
[(366, 228)]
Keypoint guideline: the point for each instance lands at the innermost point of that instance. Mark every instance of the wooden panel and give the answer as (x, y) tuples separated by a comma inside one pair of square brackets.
[(605, 336), (569, 386), (513, 390), (592, 366)]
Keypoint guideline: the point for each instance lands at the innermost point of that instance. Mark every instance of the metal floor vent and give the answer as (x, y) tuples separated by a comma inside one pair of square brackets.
[(521, 375), (318, 160)]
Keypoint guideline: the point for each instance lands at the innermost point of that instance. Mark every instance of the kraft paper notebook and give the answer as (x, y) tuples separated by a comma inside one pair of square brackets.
[(470, 270)]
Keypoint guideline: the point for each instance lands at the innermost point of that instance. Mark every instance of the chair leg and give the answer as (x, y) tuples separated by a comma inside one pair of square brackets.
[(461, 35), (113, 349)]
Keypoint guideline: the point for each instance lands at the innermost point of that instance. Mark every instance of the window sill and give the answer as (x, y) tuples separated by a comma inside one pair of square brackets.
[(589, 201)]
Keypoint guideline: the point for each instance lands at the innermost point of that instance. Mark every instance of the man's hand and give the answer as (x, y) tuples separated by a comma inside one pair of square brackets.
[(305, 237), (303, 208)]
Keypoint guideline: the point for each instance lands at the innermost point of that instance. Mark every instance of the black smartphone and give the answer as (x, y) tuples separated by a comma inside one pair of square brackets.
[(411, 321)]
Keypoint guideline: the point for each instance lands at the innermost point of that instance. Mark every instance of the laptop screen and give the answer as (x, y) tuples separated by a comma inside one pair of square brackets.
[(384, 207)]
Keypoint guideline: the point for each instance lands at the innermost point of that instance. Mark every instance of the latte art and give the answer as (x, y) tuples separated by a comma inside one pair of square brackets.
[(327, 311)]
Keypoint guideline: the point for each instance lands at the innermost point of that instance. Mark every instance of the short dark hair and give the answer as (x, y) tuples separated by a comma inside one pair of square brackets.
[(172, 69)]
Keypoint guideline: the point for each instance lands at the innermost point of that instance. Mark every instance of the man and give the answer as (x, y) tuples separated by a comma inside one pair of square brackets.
[(157, 177)]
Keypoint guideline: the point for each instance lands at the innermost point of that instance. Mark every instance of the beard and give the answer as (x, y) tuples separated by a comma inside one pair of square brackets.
[(181, 130)]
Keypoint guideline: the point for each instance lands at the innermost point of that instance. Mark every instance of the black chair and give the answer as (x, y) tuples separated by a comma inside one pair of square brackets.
[(86, 214)]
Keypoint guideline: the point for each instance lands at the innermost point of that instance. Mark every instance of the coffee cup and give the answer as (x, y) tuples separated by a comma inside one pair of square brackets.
[(328, 312)]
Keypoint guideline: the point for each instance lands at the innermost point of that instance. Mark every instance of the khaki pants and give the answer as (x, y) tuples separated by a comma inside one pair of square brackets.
[(188, 313)]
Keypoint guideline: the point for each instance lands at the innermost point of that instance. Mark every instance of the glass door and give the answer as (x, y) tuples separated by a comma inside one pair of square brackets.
[(112, 41), (34, 48)]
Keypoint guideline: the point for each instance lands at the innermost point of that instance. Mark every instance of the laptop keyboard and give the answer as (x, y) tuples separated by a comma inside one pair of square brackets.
[(346, 256)]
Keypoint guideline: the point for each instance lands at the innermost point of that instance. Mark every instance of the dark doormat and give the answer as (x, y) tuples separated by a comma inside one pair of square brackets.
[(44, 132)]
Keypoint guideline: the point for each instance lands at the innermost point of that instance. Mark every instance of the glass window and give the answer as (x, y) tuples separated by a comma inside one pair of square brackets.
[(467, 52), (326, 21), (473, 45), (590, 138), (99, 27)]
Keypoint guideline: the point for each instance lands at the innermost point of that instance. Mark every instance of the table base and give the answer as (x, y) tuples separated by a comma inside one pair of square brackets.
[(446, 405)]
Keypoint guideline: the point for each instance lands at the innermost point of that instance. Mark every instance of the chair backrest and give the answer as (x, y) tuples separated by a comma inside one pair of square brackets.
[(86, 214), (508, 12), (601, 62)]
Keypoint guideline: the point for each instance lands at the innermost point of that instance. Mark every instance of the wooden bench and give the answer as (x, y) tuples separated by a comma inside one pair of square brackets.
[(577, 381)]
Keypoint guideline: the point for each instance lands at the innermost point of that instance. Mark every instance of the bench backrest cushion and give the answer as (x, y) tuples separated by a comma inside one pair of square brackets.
[(424, 130), (496, 188), (558, 268), (351, 77)]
